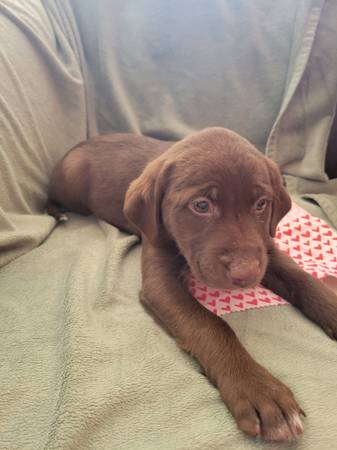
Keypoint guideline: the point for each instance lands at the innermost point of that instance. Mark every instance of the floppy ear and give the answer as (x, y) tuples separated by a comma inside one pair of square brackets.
[(142, 205), (281, 201)]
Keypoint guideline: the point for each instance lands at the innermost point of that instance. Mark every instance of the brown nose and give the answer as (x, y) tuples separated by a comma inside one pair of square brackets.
[(245, 273)]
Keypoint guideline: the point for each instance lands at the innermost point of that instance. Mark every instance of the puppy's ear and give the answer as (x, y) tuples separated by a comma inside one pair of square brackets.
[(142, 205), (281, 201)]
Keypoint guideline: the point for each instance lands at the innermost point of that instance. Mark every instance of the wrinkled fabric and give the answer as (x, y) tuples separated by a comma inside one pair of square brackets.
[(43, 112), (82, 364), (299, 138)]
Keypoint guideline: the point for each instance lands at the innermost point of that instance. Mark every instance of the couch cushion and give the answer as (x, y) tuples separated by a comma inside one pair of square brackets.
[(43, 112)]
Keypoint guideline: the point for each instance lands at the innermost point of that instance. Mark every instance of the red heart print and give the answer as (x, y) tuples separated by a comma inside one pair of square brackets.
[(212, 303), (239, 305), (317, 238), (287, 232), (225, 300), (277, 299), (203, 288), (328, 233), (296, 239), (319, 247), (306, 234), (214, 294), (265, 300), (251, 294), (226, 308), (252, 302), (202, 298), (239, 296)]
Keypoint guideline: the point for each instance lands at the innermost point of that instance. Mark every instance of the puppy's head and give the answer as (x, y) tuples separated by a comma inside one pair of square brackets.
[(218, 199)]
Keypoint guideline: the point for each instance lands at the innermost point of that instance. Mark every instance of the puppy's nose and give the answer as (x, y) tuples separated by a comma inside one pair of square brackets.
[(244, 274)]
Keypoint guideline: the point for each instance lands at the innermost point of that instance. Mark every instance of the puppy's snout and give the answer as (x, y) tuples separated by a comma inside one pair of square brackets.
[(244, 274), (241, 271)]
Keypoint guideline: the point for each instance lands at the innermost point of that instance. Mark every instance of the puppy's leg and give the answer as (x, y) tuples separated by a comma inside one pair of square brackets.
[(313, 297), (55, 210), (261, 405)]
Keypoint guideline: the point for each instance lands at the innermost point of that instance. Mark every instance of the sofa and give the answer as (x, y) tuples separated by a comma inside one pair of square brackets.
[(83, 365)]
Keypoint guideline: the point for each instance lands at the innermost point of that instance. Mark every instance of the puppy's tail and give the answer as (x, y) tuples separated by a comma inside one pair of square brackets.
[(56, 210)]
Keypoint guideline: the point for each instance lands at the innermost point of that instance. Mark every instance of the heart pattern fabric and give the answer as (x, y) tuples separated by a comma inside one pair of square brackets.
[(310, 241)]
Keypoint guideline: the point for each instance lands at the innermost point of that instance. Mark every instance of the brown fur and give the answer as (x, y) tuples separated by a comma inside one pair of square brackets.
[(230, 246)]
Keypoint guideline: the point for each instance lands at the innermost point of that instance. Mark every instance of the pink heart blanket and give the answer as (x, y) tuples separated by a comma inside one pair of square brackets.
[(307, 239)]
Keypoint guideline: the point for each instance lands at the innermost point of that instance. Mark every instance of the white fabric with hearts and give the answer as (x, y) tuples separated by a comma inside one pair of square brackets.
[(307, 239)]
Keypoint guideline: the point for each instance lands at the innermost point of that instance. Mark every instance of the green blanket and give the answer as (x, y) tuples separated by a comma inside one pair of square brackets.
[(82, 365), (85, 367)]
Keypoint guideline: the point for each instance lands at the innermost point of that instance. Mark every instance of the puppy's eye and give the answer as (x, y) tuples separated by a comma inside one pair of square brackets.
[(261, 204), (201, 205)]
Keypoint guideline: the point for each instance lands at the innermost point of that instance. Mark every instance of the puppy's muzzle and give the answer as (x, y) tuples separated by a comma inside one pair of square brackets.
[(242, 272)]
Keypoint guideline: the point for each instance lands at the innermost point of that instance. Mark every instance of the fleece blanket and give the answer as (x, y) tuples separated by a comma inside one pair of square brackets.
[(82, 365)]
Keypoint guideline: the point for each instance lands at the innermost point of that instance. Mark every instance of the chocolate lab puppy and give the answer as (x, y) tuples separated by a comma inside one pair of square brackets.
[(209, 203)]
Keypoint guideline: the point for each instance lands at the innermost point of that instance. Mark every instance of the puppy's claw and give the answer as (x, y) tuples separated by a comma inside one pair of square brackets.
[(63, 218), (295, 424)]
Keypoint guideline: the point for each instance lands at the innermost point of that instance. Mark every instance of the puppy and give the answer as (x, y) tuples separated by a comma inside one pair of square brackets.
[(93, 177), (209, 203)]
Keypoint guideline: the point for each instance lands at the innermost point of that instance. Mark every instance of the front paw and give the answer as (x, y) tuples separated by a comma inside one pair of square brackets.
[(326, 315), (328, 323), (322, 309), (264, 407)]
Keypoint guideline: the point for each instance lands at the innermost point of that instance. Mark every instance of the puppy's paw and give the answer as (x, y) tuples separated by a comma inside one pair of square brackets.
[(325, 310), (264, 407), (322, 306), (62, 218), (330, 329), (329, 325)]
